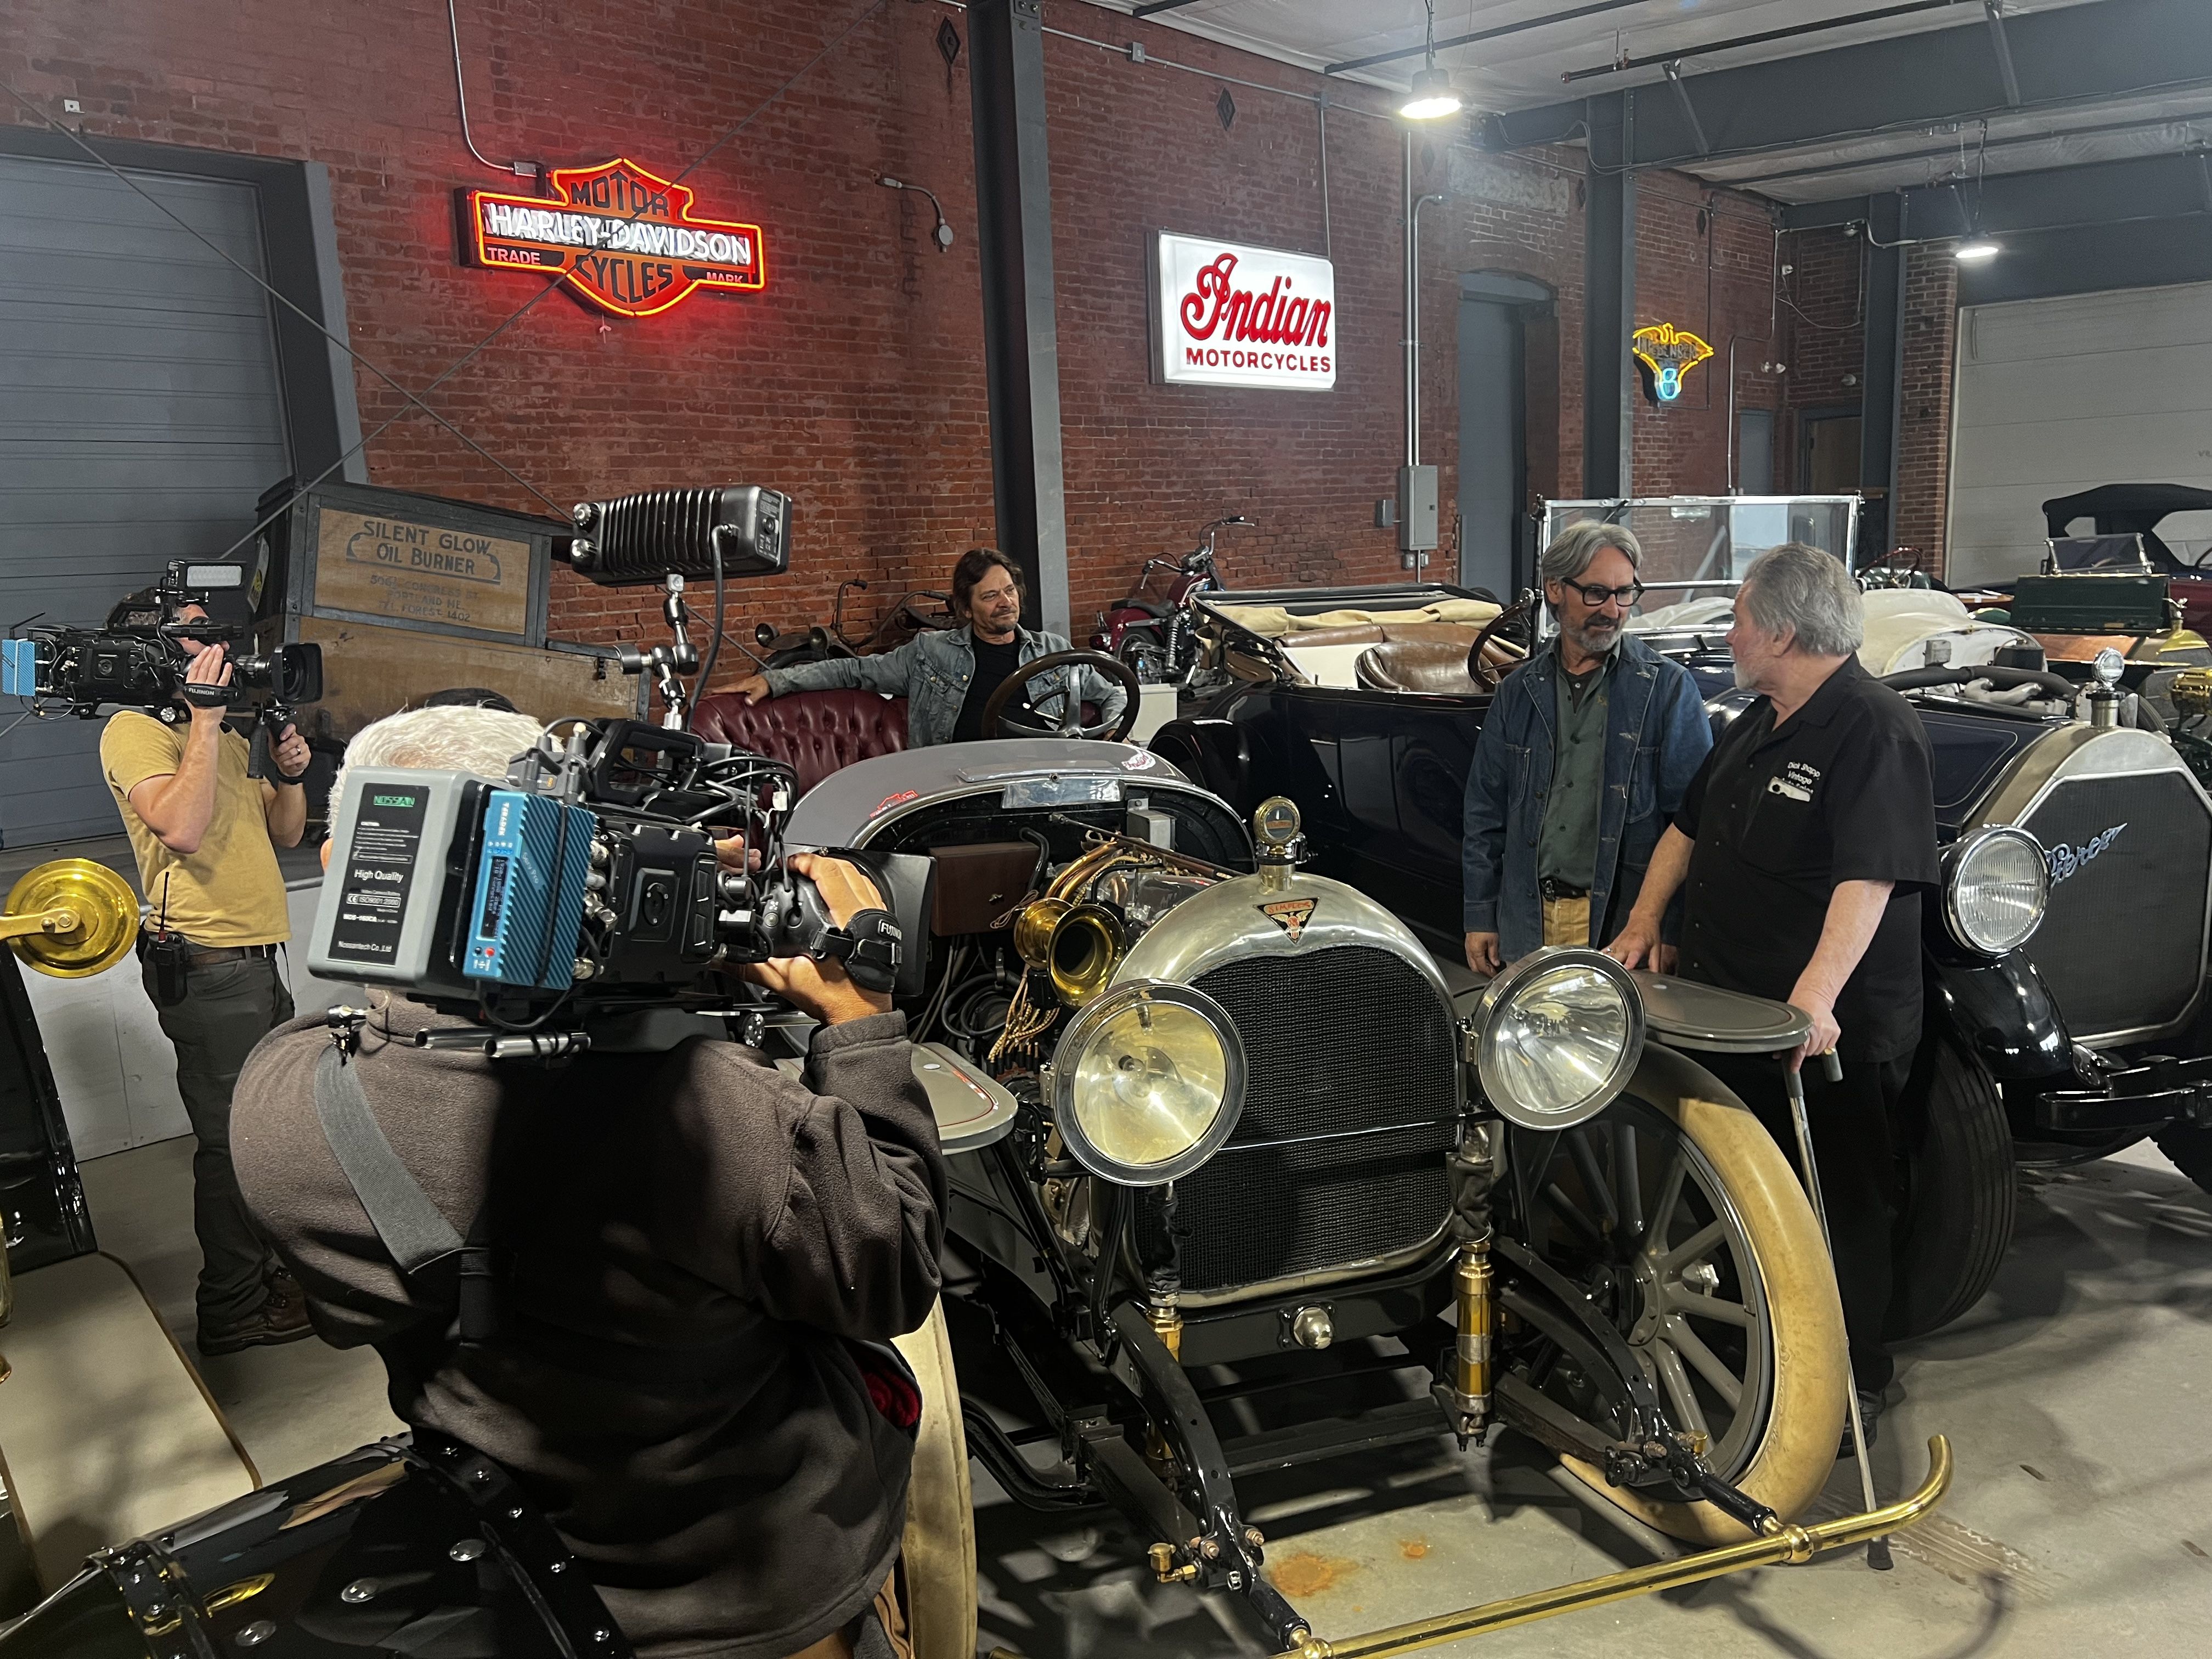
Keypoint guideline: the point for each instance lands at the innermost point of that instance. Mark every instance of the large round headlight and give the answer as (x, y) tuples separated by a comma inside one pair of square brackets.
[(1995, 884), (1147, 1081), (1556, 1035)]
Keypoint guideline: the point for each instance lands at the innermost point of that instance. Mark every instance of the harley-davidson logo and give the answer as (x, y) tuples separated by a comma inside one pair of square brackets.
[(2066, 861), (1290, 914), (625, 239)]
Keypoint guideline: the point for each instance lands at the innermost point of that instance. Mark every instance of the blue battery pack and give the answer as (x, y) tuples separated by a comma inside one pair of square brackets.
[(19, 668), (529, 895)]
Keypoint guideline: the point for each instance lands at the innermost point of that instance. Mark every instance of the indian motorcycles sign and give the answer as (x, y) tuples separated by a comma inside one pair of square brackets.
[(1225, 314), (625, 239)]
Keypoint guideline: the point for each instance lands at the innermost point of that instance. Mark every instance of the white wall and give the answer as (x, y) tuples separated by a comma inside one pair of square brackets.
[(2061, 395), (115, 1072)]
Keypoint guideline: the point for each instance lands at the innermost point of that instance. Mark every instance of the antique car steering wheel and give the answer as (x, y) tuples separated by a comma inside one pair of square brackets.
[(1485, 673), (1000, 722)]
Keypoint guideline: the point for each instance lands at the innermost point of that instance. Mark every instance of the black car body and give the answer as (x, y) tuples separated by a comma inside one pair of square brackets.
[(2079, 1042)]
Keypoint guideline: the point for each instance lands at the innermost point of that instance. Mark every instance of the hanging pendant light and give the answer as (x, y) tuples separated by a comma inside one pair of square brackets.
[(1430, 97)]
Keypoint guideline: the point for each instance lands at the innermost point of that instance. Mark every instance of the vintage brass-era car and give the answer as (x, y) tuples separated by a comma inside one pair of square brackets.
[(1211, 1115)]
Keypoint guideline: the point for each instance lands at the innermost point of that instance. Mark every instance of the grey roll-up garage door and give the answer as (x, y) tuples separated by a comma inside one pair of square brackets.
[(140, 418)]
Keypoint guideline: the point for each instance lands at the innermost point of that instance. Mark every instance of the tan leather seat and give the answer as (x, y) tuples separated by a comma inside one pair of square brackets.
[(1431, 664), (1415, 666)]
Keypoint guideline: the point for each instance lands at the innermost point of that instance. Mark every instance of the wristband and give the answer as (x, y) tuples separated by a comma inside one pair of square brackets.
[(871, 945)]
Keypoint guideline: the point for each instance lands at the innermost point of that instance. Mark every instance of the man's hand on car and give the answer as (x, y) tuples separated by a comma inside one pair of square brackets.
[(823, 989), (1482, 954), (753, 687), (1638, 945)]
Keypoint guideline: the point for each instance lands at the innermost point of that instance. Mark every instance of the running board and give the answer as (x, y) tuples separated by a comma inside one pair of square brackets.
[(1783, 1542)]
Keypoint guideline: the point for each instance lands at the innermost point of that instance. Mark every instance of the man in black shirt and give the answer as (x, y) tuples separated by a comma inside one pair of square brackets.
[(1806, 840)]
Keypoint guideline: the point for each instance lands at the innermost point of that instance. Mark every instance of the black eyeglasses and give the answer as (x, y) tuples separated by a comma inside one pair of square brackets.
[(1594, 597)]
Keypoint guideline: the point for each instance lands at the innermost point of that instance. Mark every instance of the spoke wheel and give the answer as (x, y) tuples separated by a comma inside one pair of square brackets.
[(1681, 1218)]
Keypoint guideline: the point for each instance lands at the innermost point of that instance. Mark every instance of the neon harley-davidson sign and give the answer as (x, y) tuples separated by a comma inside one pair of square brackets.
[(1225, 314), (623, 238)]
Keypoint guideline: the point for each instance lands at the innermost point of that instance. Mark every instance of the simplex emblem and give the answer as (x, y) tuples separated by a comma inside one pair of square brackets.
[(1290, 914), (625, 239)]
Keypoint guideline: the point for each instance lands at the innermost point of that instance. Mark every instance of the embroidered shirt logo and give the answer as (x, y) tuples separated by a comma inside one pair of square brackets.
[(1290, 914), (2066, 861), (1795, 779)]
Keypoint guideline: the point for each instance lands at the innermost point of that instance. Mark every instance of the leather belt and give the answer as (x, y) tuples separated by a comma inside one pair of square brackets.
[(207, 955), (1554, 890)]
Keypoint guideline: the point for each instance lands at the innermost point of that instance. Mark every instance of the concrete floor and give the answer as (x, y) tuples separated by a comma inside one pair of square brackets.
[(2080, 1520)]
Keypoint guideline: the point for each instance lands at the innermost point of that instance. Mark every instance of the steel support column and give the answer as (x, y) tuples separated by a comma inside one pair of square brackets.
[(1021, 341), (1882, 377), (1608, 301)]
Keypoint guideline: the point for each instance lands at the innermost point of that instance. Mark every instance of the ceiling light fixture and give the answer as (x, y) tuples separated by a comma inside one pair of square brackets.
[(1430, 97), (1977, 250)]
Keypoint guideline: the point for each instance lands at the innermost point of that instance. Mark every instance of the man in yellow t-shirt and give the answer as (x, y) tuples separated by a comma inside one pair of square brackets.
[(205, 835)]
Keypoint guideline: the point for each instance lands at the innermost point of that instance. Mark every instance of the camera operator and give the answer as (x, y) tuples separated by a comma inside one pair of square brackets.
[(205, 837), (694, 1258)]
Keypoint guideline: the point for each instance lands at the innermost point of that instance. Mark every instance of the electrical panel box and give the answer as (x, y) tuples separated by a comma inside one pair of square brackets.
[(1417, 509), (2091, 605)]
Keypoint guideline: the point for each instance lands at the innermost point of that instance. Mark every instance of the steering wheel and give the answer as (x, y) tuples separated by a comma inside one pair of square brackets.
[(1485, 673), (1001, 722)]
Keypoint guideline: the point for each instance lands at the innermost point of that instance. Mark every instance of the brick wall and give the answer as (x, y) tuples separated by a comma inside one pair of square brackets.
[(855, 381), (1931, 334)]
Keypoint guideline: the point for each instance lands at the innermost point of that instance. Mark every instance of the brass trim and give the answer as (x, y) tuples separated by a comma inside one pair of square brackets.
[(1786, 1542)]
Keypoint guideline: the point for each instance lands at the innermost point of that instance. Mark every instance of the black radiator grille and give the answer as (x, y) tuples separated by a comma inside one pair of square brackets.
[(2123, 942), (1348, 1104)]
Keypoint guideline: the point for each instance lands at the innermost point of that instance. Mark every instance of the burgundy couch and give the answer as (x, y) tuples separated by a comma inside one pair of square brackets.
[(814, 732)]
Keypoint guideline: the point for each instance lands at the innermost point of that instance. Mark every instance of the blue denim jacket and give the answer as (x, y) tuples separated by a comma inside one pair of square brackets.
[(1657, 735), (932, 671)]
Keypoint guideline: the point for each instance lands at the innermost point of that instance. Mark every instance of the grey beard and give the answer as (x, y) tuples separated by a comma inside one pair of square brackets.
[(1744, 680), (1591, 646)]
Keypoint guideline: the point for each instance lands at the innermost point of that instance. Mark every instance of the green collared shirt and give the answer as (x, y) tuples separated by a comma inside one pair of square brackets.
[(1566, 847)]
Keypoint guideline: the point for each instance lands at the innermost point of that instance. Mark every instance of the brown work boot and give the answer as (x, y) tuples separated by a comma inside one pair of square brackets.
[(281, 1318)]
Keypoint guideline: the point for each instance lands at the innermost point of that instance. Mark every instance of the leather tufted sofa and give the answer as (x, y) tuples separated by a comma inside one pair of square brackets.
[(814, 732)]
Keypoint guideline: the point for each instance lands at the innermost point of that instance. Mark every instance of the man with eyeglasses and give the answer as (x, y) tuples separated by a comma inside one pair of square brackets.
[(1581, 761)]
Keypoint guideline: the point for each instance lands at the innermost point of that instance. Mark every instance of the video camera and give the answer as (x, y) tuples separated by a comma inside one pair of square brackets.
[(584, 901), (139, 660)]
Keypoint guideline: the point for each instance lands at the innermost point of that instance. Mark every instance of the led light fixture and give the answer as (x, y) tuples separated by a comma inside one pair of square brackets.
[(1979, 248), (1430, 97)]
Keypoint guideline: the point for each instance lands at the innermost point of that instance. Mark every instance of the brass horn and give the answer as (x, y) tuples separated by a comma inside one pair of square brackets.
[(1076, 942)]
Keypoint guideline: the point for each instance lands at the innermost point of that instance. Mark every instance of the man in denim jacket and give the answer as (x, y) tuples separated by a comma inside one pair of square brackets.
[(1581, 764), (946, 676)]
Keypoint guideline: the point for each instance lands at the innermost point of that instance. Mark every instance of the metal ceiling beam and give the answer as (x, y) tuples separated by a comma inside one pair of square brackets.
[(1162, 5), (2083, 54), (2169, 186), (2148, 254), (1498, 33), (1994, 12), (1945, 151)]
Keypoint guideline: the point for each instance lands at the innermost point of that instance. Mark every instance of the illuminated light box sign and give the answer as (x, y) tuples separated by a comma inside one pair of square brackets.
[(1670, 353), (624, 239), (1225, 314)]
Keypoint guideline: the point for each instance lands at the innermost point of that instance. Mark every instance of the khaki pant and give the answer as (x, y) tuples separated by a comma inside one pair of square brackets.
[(1566, 921)]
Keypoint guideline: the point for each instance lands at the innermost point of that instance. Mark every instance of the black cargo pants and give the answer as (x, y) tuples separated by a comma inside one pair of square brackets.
[(1852, 1140), (230, 1006)]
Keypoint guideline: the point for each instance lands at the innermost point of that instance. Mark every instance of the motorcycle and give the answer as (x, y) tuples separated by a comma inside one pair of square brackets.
[(1156, 633), (923, 610)]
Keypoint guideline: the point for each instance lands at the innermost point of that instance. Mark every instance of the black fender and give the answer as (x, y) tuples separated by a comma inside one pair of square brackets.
[(1215, 754), (2002, 1013)]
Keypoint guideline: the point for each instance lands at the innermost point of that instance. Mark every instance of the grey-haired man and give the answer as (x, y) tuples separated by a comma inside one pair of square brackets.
[(1803, 844), (1582, 760)]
